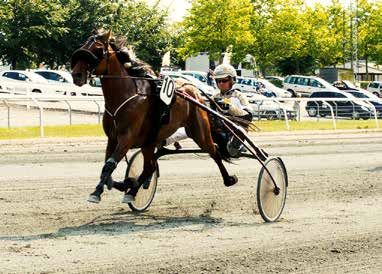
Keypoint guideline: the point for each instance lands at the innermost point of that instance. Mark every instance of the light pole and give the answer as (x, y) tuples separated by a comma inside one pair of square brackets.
[(355, 20)]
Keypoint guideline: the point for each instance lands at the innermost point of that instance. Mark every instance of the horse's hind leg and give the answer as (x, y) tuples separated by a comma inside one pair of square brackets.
[(201, 134)]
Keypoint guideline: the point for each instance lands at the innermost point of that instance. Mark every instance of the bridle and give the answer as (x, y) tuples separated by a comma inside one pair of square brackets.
[(94, 61)]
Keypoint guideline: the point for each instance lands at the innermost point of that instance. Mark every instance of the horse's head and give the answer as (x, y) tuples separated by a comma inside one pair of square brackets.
[(91, 57)]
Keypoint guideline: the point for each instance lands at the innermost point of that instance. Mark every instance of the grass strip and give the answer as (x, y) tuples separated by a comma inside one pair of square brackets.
[(267, 126), (96, 130), (52, 131)]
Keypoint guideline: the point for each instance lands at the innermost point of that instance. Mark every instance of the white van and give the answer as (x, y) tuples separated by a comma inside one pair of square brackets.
[(375, 87), (251, 85), (305, 85)]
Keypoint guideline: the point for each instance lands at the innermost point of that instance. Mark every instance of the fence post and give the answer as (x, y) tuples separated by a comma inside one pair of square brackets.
[(70, 111), (99, 111), (9, 112), (41, 117), (332, 112)]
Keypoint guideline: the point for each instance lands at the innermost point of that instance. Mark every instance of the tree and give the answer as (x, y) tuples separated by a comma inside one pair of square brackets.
[(28, 29), (369, 30), (284, 36), (214, 25), (145, 28), (33, 31)]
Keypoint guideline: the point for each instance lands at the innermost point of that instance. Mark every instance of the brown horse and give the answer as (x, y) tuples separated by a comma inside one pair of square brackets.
[(131, 111)]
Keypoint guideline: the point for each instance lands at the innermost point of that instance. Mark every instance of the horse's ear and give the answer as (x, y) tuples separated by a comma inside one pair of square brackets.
[(108, 35)]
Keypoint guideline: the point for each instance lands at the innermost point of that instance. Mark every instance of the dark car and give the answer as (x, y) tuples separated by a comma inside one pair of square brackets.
[(353, 109), (369, 97)]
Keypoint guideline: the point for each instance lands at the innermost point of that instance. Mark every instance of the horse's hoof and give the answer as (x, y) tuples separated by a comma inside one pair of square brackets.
[(231, 181), (128, 198), (94, 199)]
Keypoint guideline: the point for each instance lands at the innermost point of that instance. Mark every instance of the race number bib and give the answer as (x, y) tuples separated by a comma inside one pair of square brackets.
[(167, 91)]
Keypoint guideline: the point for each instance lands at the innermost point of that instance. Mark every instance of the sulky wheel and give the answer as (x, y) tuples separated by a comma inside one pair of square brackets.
[(271, 200), (145, 193)]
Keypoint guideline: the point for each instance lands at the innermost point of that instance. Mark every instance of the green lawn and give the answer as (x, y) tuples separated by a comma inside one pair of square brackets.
[(96, 130), (52, 131), (313, 125)]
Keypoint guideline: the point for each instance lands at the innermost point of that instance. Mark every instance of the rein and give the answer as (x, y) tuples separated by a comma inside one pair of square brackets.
[(127, 77)]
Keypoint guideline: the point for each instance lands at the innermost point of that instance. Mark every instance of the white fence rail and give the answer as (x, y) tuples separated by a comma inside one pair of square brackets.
[(296, 105)]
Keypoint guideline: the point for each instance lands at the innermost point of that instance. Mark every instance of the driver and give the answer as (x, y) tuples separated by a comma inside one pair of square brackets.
[(231, 102)]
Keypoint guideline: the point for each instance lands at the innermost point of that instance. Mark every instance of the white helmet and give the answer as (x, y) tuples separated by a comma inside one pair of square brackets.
[(224, 70)]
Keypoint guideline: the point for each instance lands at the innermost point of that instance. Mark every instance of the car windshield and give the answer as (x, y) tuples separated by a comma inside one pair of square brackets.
[(359, 95), (349, 84)]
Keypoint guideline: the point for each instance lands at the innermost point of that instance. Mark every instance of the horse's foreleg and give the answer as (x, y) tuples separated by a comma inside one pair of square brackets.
[(124, 143), (149, 166), (95, 196)]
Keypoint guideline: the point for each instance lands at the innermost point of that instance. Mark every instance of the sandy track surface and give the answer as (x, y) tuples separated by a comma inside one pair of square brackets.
[(332, 222)]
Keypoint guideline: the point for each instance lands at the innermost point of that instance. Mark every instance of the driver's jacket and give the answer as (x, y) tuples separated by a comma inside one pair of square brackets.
[(236, 102)]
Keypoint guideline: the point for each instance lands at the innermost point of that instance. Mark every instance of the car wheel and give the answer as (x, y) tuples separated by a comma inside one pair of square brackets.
[(322, 114), (36, 91), (271, 115), (293, 93), (356, 115), (376, 94), (312, 111)]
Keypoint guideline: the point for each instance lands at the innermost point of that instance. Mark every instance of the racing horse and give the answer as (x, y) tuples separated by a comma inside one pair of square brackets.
[(131, 112)]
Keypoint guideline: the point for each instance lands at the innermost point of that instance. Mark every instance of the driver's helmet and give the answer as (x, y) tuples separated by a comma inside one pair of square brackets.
[(224, 70)]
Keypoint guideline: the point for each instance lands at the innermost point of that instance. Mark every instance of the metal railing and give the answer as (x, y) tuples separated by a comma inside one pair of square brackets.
[(38, 101), (297, 106)]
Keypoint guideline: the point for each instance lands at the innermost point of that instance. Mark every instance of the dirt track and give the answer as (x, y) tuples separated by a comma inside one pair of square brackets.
[(332, 222)]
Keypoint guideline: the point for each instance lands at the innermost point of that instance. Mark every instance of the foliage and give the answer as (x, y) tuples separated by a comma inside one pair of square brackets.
[(29, 28), (33, 31), (369, 30), (283, 35), (145, 28), (214, 25)]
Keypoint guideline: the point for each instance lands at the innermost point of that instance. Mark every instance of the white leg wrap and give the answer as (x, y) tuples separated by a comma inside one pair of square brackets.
[(178, 135)]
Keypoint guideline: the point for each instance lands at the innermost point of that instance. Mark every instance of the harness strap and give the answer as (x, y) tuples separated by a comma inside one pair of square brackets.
[(128, 77), (124, 103)]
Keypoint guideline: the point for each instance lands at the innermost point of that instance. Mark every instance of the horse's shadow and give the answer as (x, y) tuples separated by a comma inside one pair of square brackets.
[(119, 223)]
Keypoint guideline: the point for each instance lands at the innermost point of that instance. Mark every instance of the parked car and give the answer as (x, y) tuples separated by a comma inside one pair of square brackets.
[(355, 109), (23, 81), (262, 107), (375, 87), (370, 98), (252, 84), (210, 91), (56, 75), (305, 85), (23, 75), (64, 81)]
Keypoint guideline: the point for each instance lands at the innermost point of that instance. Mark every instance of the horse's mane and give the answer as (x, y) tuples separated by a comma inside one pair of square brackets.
[(126, 56)]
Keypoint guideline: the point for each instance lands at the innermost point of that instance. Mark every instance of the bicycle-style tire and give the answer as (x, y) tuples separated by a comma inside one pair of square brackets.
[(271, 204), (145, 196)]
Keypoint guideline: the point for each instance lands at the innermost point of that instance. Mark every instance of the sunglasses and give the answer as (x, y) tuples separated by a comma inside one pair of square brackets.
[(222, 80)]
